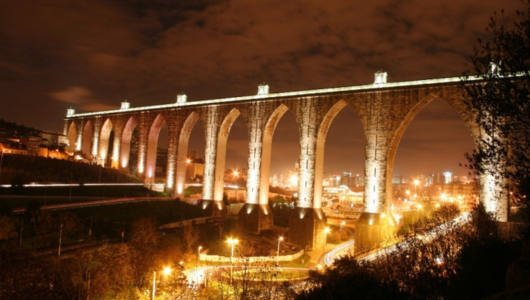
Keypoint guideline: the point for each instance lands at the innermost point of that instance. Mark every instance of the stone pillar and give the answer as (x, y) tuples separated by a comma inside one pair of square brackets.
[(306, 224), (174, 126), (95, 137), (255, 215), (374, 224), (116, 145), (211, 128), (494, 196), (142, 143)]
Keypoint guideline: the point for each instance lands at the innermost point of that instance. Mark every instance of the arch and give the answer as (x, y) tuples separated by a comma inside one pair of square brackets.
[(319, 153), (182, 152), (88, 132), (220, 161), (125, 147), (104, 137), (71, 135), (266, 152), (409, 117), (152, 144)]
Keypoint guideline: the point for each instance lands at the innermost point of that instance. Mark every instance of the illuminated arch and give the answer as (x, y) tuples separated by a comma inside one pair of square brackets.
[(182, 153), (72, 137), (104, 138), (319, 153), (266, 151), (152, 145), (220, 161), (465, 116), (125, 148), (86, 143)]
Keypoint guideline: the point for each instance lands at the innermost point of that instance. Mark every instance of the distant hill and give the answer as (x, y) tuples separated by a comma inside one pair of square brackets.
[(21, 169), (17, 130)]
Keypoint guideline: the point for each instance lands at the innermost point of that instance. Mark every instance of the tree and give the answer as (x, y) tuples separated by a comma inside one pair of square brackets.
[(191, 236), (500, 102)]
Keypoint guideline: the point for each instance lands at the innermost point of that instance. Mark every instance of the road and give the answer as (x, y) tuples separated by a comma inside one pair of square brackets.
[(328, 258)]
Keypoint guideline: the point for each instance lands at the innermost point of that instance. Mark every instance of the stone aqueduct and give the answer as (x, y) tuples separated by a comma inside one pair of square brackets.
[(385, 110)]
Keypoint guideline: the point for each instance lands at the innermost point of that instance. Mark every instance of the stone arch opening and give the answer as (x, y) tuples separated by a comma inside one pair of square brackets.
[(129, 155), (71, 135), (283, 134), (429, 114), (236, 167), (152, 151), (220, 161), (105, 146), (266, 152), (86, 144), (189, 167), (341, 135)]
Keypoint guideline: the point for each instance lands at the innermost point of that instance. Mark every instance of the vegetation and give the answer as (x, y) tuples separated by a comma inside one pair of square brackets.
[(500, 102), (466, 262)]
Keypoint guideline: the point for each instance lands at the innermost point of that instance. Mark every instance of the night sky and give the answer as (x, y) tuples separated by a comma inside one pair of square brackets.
[(92, 55)]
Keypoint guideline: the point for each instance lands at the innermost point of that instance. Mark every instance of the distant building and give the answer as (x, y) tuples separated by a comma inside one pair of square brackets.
[(54, 139), (32, 143), (398, 180), (10, 148), (194, 167), (448, 177)]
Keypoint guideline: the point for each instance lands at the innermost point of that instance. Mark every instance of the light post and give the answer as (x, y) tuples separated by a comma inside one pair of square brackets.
[(416, 182), (340, 232), (232, 242), (326, 231), (167, 271), (60, 240), (278, 252)]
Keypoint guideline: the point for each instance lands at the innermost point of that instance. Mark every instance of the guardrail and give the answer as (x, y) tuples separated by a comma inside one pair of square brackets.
[(250, 259)]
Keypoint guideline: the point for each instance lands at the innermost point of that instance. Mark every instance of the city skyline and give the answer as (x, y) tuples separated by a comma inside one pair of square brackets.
[(92, 56)]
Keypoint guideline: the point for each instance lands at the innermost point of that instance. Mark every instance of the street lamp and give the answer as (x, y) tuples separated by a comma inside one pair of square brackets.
[(232, 242), (278, 253), (326, 231), (166, 271)]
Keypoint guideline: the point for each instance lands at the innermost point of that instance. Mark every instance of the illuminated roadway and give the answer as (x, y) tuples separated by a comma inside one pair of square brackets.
[(339, 251)]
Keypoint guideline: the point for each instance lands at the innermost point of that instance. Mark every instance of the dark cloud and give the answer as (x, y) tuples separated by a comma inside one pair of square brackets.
[(92, 55)]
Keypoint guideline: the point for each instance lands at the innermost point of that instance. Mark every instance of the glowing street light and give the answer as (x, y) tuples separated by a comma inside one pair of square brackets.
[(166, 271), (416, 182), (232, 242), (278, 252)]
